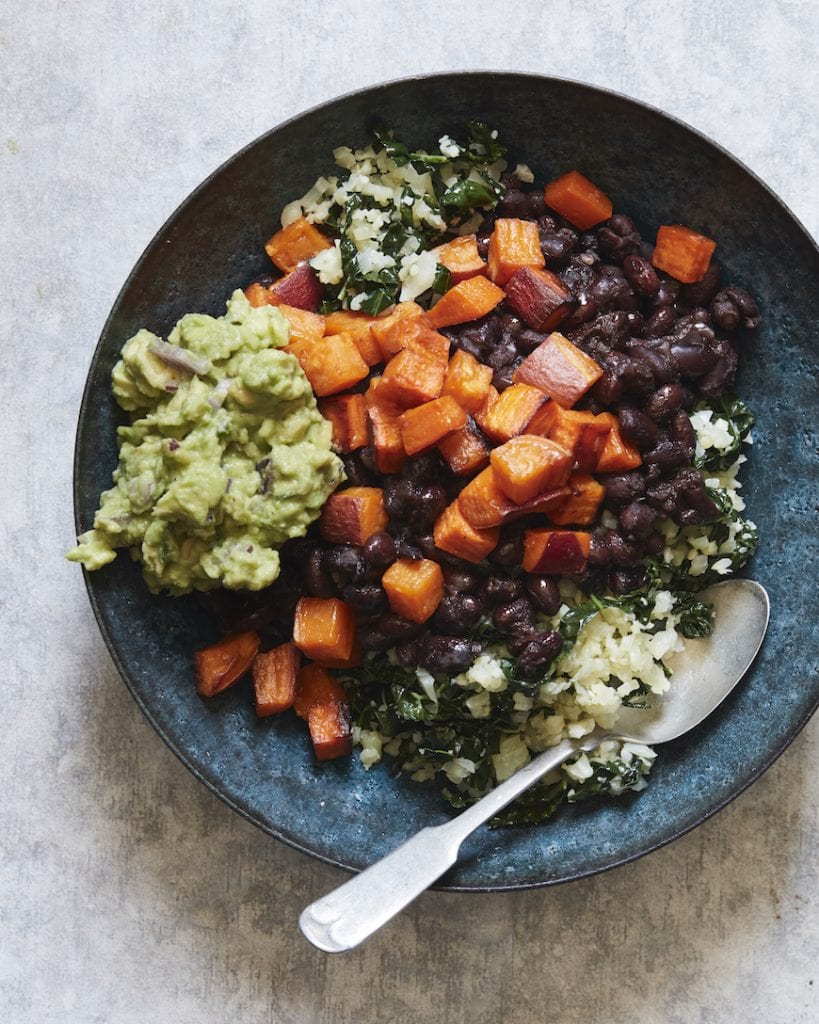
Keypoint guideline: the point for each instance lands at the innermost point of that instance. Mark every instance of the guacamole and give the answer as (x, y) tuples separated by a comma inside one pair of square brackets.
[(225, 458)]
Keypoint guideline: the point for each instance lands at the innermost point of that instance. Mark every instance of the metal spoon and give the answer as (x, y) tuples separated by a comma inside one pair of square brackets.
[(708, 670)]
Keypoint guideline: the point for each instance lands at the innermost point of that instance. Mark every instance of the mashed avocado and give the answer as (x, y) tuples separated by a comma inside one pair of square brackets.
[(226, 456)]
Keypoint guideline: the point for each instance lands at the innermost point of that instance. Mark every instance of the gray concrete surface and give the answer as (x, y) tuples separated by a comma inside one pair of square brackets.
[(128, 892)]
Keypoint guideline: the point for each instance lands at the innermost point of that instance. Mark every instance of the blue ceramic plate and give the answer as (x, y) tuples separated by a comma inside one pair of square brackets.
[(659, 171)]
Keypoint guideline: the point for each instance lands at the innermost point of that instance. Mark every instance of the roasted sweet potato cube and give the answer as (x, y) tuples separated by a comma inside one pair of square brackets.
[(389, 330), (461, 258), (483, 503), (258, 295), (581, 433), (465, 450), (526, 465), (353, 515), (297, 242), (300, 288), (222, 664), (412, 378), (540, 297), (560, 369), (453, 534), (510, 414), (414, 588), (574, 197), (488, 404), (331, 729), (315, 686), (683, 253), (359, 327), (616, 455), (581, 506), (304, 325), (468, 300), (429, 342), (333, 364), (324, 628), (274, 679), (348, 418), (383, 415), (513, 244), (555, 552), (425, 425), (467, 380)]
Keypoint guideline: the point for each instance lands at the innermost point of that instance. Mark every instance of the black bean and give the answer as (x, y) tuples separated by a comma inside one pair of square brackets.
[(617, 246), (501, 589), (406, 653), (518, 639), (513, 204), (537, 655), (397, 627), (508, 617), (652, 356), (365, 597), (599, 552), (624, 553), (449, 654), (457, 613), (692, 354), (636, 322), (509, 551), (528, 340), (636, 376), (668, 293), (721, 375), (537, 204), (725, 312), (462, 581), (701, 292), (360, 467), (641, 275), (545, 593), (372, 639), (483, 243), (683, 432), (751, 316), (579, 273), (637, 520), (623, 488), (664, 402), (654, 543), (624, 581), (379, 550), (316, 579), (557, 245), (637, 428), (660, 323), (343, 561), (609, 389), (666, 455)]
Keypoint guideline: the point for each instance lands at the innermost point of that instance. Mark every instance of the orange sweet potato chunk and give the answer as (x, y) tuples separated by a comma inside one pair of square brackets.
[(315, 685), (359, 327), (465, 450), (580, 508), (389, 330), (383, 414), (333, 364), (222, 664), (455, 535), (304, 325), (560, 369), (274, 679), (510, 413), (526, 465), (257, 295), (617, 455), (513, 244), (324, 628), (483, 503), (353, 515), (297, 242), (331, 729), (348, 418), (468, 300), (467, 380), (683, 253), (555, 552), (574, 197), (461, 258), (581, 433), (425, 425), (411, 378), (414, 588)]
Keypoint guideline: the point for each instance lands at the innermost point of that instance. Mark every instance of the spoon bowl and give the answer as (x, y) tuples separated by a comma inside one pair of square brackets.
[(704, 674)]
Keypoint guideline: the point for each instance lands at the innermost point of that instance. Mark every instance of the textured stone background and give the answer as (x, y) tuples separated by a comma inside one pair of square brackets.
[(128, 891)]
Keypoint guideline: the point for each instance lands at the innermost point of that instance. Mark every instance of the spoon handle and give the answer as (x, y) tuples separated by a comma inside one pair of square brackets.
[(351, 913)]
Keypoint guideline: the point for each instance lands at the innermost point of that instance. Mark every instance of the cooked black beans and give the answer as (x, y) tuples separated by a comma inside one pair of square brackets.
[(512, 616), (450, 654), (457, 613), (538, 653), (545, 593), (641, 275), (379, 550), (499, 589), (637, 520), (638, 428)]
